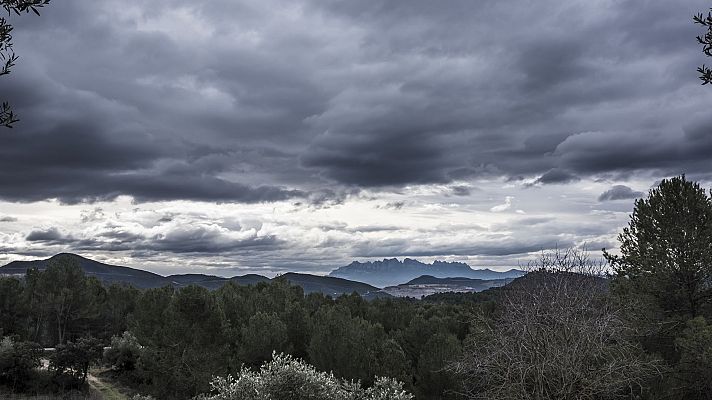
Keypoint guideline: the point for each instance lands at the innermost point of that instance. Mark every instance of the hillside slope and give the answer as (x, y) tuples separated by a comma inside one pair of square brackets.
[(105, 272), (428, 285), (144, 280)]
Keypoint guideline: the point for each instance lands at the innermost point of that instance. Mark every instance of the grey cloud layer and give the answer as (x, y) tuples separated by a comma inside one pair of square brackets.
[(270, 100), (194, 237), (619, 192)]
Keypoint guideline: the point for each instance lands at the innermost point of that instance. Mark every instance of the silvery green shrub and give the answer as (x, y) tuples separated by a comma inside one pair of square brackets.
[(288, 378)]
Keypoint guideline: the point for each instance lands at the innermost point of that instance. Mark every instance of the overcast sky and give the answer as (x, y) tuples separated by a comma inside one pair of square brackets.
[(263, 136)]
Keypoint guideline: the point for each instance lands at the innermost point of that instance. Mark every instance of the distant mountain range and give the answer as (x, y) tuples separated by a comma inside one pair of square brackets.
[(391, 272), (364, 278), (426, 285), (144, 279)]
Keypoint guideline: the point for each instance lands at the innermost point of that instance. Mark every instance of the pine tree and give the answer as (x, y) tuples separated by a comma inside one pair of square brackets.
[(666, 250)]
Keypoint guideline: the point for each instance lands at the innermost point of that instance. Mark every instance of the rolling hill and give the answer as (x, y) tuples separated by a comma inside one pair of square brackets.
[(145, 280), (105, 272), (427, 285), (328, 285)]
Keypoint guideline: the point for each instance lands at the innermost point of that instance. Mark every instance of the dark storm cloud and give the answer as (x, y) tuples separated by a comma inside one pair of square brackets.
[(380, 158), (268, 101), (205, 240), (7, 218), (619, 192), (75, 163), (557, 176), (552, 63), (50, 235), (684, 150)]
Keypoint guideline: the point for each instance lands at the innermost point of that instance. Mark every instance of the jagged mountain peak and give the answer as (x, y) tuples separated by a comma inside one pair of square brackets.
[(389, 272)]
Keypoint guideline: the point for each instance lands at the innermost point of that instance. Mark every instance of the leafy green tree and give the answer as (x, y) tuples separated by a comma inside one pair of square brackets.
[(357, 306), (70, 361), (7, 55), (263, 335), (694, 370), (182, 334), (346, 345), (287, 378), (392, 314), (296, 319), (706, 42), (123, 353), (17, 362), (151, 315), (435, 378), (393, 362), (415, 337), (13, 308), (119, 303), (275, 297), (665, 263), (34, 298), (63, 301)]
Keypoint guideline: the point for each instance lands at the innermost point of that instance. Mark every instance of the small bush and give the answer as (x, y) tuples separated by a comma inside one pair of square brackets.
[(124, 352), (287, 378), (70, 362)]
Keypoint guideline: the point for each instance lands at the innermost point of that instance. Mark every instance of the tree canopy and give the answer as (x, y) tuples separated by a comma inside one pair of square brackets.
[(666, 250), (664, 273)]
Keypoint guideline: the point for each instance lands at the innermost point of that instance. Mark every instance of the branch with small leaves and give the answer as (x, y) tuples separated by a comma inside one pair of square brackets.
[(706, 42), (7, 55), (7, 117), (20, 6)]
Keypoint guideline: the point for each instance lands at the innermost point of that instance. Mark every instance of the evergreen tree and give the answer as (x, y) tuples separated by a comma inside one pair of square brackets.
[(435, 379), (666, 250), (70, 362), (348, 346), (63, 300), (13, 309), (664, 274), (694, 370), (263, 335)]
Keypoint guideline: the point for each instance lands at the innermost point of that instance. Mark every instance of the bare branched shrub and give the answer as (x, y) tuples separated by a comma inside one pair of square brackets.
[(557, 336)]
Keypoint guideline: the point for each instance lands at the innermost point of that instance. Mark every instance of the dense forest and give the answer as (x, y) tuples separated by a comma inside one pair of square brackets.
[(632, 325), (171, 342)]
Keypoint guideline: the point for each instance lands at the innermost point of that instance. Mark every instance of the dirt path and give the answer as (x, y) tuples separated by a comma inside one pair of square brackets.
[(104, 389)]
